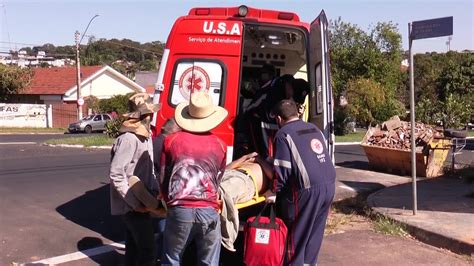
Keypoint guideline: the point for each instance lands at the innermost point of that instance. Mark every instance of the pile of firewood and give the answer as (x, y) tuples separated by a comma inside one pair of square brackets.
[(396, 134)]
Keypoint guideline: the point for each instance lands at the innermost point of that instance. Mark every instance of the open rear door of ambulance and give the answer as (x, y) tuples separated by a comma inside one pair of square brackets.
[(320, 97)]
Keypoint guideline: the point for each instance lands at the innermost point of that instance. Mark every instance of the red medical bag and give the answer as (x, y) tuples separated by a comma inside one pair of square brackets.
[(264, 239)]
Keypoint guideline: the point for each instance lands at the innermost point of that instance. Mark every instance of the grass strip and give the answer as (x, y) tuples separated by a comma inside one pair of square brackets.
[(99, 140), (351, 137), (387, 226)]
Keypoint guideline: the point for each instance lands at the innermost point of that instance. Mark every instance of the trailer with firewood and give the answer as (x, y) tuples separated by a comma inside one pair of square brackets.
[(388, 148)]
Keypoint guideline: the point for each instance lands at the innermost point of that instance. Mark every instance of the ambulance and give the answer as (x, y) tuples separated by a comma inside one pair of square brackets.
[(222, 50)]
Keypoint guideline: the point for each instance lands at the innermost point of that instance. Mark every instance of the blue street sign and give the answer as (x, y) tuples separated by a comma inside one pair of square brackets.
[(431, 28)]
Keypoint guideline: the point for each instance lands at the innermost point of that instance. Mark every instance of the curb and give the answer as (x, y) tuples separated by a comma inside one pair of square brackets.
[(78, 146), (423, 235)]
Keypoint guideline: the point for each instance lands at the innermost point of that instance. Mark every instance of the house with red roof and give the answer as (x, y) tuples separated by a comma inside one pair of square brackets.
[(58, 85), (56, 88)]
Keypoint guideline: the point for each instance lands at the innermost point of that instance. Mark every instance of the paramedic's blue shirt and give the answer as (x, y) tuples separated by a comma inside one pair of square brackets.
[(301, 158)]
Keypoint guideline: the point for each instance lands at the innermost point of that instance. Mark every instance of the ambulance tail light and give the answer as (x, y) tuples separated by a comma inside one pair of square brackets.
[(286, 16), (243, 10), (202, 11)]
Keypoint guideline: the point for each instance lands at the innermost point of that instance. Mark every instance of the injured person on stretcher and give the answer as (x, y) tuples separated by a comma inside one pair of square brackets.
[(241, 185)]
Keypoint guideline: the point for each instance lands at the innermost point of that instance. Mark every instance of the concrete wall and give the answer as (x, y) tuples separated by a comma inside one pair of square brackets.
[(25, 115)]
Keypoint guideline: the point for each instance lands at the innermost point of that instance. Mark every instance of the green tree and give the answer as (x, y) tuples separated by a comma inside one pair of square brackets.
[(456, 111), (118, 103), (444, 87), (127, 56), (427, 111), (457, 76), (13, 80), (370, 62), (364, 97), (94, 103)]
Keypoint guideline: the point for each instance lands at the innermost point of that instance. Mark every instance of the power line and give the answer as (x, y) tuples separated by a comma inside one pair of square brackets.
[(6, 24)]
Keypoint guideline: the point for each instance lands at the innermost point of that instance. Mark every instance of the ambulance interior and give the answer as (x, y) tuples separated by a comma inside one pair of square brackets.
[(283, 47)]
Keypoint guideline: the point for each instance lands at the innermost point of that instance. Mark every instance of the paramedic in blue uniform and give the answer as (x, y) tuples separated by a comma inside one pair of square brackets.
[(304, 184)]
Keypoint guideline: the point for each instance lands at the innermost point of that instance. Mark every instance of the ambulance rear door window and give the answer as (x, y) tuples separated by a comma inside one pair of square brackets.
[(196, 75)]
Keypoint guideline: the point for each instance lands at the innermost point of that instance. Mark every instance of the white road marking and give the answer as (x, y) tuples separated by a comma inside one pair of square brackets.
[(348, 188), (81, 254), (17, 143)]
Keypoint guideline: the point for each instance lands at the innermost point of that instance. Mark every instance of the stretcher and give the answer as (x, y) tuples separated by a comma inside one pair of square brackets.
[(256, 199)]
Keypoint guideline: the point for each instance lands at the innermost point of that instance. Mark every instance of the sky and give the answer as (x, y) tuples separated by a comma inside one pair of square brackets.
[(35, 22)]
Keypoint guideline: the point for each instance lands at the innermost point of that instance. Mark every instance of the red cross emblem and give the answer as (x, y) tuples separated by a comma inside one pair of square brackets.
[(193, 78), (317, 146)]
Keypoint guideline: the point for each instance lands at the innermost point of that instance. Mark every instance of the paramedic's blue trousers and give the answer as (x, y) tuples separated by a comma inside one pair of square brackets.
[(305, 213)]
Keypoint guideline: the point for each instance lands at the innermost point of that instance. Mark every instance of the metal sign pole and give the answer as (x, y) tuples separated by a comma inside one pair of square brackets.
[(412, 121)]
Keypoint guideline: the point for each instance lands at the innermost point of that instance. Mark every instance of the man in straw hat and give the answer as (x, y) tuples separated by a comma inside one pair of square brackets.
[(132, 157), (193, 162)]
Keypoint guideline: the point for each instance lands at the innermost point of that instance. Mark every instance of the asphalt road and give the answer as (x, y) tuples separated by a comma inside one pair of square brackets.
[(56, 201)]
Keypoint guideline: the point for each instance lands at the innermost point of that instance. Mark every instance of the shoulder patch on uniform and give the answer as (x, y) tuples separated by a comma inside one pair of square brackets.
[(316, 146)]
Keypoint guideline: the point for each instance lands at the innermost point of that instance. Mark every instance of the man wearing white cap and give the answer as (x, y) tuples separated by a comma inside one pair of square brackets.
[(193, 162), (132, 157)]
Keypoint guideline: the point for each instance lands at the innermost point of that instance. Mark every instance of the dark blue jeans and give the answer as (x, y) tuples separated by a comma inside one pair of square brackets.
[(183, 225), (139, 242), (159, 224)]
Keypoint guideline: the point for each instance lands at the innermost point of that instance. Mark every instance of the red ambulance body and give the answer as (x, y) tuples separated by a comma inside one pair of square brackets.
[(222, 50)]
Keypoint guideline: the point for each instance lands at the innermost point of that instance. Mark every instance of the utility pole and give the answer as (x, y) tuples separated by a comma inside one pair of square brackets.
[(412, 120), (77, 34), (418, 30), (78, 76), (448, 43)]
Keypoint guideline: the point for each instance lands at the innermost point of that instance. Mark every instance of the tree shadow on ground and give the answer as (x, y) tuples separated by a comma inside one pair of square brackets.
[(92, 210)]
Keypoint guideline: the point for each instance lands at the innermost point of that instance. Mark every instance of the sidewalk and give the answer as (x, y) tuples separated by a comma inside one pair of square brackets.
[(445, 215)]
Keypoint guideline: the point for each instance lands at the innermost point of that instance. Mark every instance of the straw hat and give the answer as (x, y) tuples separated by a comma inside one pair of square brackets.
[(139, 104), (200, 115), (137, 126)]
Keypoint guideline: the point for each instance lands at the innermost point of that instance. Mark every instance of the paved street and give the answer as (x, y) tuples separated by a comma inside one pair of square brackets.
[(55, 201)]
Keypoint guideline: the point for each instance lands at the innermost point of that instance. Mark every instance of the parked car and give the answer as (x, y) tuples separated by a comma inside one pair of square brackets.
[(90, 123)]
